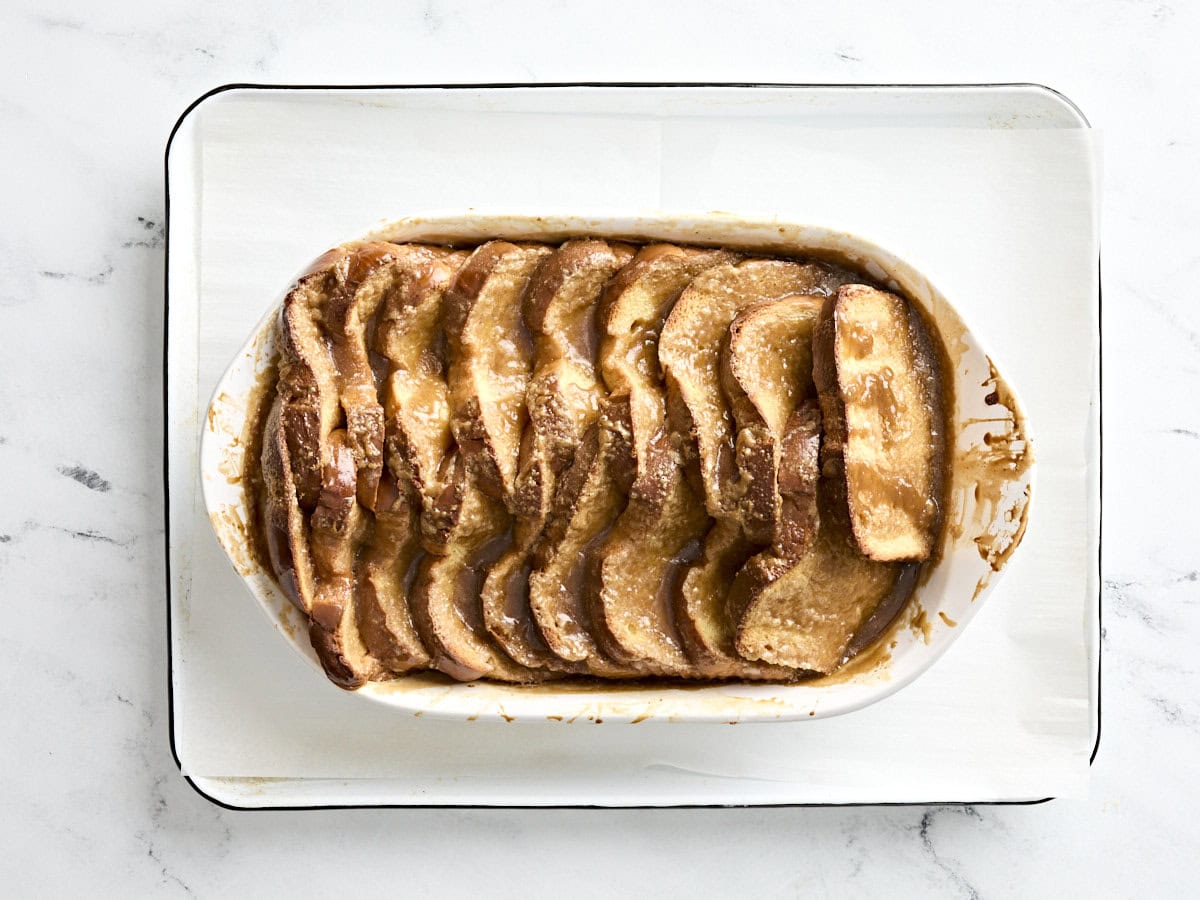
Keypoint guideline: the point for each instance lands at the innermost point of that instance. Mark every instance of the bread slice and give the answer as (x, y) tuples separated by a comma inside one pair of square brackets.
[(387, 567), (335, 531), (766, 370), (408, 335), (690, 352), (307, 376), (804, 613), (563, 399), (878, 377), (491, 357), (444, 598), (638, 569)]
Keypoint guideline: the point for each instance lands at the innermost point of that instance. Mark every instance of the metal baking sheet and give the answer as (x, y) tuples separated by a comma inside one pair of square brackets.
[(252, 727)]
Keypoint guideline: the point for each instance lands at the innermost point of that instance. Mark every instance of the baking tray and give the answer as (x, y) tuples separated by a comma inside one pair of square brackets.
[(813, 107)]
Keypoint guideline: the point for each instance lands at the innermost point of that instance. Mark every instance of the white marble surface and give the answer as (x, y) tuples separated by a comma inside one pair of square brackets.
[(89, 795)]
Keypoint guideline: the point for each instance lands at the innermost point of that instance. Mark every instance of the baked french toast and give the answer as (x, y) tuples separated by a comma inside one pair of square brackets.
[(565, 393), (527, 462), (283, 522), (635, 306), (366, 277), (591, 496), (877, 375), (766, 371), (704, 612), (690, 352), (307, 378)]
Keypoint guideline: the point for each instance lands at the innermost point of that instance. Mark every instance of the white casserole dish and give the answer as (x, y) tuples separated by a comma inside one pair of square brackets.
[(991, 484)]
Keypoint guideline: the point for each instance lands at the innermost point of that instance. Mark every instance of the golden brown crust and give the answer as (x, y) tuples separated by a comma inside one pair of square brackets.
[(715, 365), (591, 496), (635, 307), (703, 619), (355, 295), (690, 355), (636, 569), (705, 616), (564, 393), (284, 526)]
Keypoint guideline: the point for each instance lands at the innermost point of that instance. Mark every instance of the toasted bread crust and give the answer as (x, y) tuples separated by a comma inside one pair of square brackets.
[(766, 371), (283, 522), (564, 393), (635, 570), (638, 570), (715, 367), (703, 619), (705, 616), (591, 496), (634, 309), (355, 295)]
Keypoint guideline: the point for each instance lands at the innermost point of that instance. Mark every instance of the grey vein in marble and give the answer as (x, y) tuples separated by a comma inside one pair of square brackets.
[(86, 477), (94, 278)]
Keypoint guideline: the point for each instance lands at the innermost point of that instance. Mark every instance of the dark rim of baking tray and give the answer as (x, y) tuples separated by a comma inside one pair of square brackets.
[(586, 84)]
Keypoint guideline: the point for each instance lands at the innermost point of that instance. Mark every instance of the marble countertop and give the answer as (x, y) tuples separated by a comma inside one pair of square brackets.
[(91, 797)]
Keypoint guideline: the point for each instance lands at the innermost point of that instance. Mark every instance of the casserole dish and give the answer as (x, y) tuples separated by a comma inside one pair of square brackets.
[(990, 472)]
